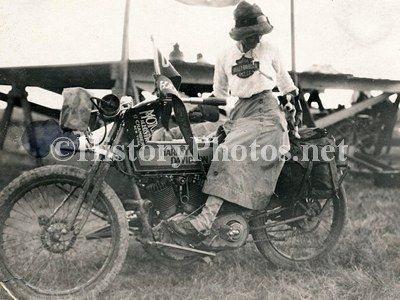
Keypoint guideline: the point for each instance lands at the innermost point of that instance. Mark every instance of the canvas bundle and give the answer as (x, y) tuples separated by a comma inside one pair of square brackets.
[(76, 109)]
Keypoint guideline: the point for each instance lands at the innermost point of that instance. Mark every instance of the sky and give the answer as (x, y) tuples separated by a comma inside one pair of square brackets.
[(359, 37)]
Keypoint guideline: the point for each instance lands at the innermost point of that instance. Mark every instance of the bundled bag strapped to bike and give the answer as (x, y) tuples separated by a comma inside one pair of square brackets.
[(312, 167), (76, 109)]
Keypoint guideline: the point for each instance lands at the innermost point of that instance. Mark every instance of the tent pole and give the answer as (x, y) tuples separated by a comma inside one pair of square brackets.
[(307, 116), (125, 50), (293, 41), (128, 83), (124, 68)]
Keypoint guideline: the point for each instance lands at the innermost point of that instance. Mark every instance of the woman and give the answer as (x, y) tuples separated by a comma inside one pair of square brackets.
[(249, 69)]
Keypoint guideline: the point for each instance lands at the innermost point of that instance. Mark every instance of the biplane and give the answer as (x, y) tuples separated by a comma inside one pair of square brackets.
[(369, 116)]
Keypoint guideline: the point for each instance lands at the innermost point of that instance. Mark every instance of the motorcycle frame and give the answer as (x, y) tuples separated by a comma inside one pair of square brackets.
[(97, 174)]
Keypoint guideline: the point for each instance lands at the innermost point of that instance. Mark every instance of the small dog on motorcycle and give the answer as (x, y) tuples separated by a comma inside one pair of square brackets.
[(293, 115)]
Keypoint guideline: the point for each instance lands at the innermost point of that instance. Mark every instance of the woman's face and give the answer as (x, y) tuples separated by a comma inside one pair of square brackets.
[(251, 42)]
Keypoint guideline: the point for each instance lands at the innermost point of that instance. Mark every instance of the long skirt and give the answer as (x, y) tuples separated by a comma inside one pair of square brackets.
[(246, 166)]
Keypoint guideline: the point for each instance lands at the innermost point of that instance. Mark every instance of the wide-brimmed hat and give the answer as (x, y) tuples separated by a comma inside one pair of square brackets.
[(249, 20)]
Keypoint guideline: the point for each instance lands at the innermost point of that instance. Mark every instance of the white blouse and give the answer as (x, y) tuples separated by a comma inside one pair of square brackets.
[(245, 74)]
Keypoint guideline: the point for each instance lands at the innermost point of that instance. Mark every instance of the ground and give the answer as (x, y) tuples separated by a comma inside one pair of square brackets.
[(365, 264)]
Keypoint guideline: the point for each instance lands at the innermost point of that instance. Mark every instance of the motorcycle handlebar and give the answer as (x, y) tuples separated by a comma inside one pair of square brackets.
[(215, 101), (208, 101), (191, 100)]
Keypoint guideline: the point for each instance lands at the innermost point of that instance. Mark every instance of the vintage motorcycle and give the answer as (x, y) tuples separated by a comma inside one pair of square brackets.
[(64, 232)]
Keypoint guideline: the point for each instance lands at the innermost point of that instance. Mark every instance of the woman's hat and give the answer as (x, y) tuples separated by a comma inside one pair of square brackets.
[(249, 20)]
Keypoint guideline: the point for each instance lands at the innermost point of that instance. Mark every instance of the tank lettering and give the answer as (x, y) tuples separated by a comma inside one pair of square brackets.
[(149, 119)]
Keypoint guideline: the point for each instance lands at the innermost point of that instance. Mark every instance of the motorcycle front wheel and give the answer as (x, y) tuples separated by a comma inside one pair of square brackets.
[(303, 241), (41, 256)]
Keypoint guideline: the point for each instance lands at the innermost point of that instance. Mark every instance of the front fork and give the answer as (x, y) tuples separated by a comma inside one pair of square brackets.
[(94, 182)]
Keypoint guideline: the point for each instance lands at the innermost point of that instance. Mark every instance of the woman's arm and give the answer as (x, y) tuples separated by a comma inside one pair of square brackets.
[(220, 87), (283, 80)]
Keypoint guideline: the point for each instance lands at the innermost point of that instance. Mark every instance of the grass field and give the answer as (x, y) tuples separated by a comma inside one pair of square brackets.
[(365, 264)]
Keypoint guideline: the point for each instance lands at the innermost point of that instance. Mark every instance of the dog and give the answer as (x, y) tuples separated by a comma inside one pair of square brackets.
[(293, 116)]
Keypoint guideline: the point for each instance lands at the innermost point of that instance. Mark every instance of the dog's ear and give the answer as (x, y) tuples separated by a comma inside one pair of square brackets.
[(282, 100)]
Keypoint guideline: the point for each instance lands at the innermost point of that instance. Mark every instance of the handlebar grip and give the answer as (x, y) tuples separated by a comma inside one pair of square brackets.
[(214, 101)]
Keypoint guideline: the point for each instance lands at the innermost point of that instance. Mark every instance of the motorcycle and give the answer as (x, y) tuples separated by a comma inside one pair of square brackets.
[(64, 232)]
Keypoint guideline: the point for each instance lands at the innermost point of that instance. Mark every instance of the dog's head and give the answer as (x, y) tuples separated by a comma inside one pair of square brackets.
[(286, 103)]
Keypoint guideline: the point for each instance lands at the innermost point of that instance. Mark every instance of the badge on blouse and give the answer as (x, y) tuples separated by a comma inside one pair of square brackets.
[(245, 67)]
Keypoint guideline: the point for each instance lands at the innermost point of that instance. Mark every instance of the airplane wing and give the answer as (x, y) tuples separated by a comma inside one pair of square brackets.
[(308, 80), (55, 78), (100, 76), (195, 77), (200, 76)]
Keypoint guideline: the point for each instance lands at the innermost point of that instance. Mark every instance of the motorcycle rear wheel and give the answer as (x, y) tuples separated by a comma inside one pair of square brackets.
[(267, 241), (41, 260)]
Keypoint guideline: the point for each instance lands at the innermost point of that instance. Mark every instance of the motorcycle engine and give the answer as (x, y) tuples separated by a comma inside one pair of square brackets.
[(180, 194), (194, 198), (163, 197), (184, 195)]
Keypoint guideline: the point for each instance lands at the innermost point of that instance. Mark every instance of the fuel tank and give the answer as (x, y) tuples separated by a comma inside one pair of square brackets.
[(160, 156), (172, 156)]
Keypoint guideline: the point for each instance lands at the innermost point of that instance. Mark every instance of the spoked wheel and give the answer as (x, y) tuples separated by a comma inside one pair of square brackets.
[(314, 229), (41, 256)]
